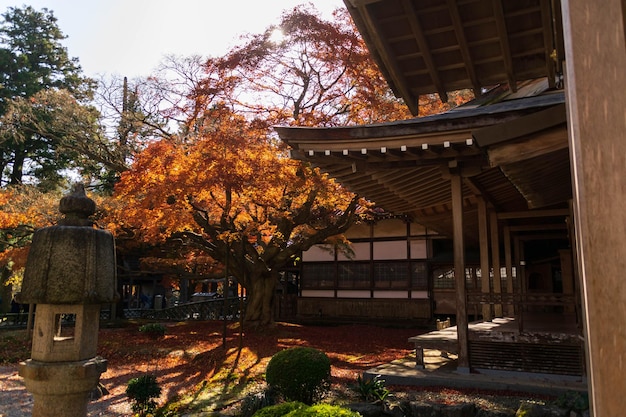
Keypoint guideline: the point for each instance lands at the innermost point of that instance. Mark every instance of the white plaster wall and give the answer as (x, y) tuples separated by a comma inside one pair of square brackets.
[(390, 250), (391, 294), (318, 293), (353, 294), (317, 253)]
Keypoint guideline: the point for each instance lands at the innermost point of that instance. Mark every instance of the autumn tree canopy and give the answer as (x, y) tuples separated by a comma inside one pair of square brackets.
[(201, 174), (232, 195), (309, 71), (223, 186)]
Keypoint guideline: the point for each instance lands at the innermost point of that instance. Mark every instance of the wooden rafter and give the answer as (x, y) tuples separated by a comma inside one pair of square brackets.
[(549, 47), (416, 27), (463, 45), (504, 43), (478, 190), (383, 48)]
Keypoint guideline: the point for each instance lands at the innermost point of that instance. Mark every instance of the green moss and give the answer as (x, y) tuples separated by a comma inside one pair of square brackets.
[(279, 410)]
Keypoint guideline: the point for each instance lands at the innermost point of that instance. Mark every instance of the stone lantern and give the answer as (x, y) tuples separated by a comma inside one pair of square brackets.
[(69, 273)]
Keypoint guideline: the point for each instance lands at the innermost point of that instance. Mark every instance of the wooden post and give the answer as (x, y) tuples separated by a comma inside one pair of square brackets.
[(459, 273), (483, 236), (508, 262), (521, 282), (567, 275), (595, 50), (495, 260)]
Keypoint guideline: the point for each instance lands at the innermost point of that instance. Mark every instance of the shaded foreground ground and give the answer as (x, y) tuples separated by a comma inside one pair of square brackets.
[(193, 364)]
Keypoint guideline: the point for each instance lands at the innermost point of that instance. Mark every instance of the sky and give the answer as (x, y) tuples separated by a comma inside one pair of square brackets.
[(130, 37)]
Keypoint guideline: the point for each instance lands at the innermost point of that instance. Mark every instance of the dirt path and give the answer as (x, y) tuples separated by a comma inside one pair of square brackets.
[(15, 401)]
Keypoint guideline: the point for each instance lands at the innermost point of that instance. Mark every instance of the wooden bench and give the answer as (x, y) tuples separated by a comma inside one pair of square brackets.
[(444, 339)]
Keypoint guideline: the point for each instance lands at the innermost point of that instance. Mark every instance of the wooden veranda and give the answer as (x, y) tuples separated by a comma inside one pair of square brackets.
[(504, 344), (435, 46), (440, 170)]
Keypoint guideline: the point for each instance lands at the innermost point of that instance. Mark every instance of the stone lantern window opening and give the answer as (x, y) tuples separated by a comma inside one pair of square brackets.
[(64, 331)]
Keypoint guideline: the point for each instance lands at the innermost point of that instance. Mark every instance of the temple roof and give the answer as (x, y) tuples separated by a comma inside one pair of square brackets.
[(513, 153), (438, 46)]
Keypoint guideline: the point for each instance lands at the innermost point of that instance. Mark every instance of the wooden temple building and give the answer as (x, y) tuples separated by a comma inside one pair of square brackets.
[(527, 182)]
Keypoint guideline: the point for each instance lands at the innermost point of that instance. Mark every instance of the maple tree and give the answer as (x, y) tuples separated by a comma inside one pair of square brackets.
[(209, 186), (231, 194), (23, 209), (223, 186), (309, 71)]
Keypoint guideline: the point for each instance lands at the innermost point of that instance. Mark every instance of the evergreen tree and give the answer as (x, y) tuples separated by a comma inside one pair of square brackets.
[(33, 60)]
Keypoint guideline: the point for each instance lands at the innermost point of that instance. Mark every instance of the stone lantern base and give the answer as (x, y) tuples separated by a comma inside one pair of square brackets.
[(61, 389)]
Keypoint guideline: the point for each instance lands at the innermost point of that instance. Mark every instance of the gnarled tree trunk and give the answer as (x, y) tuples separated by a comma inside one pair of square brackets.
[(260, 308)]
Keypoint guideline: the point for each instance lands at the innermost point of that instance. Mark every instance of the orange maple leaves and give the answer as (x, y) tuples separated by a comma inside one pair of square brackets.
[(23, 210), (230, 171)]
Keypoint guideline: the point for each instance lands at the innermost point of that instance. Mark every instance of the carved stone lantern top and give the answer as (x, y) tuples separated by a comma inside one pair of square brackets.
[(77, 208), (73, 262)]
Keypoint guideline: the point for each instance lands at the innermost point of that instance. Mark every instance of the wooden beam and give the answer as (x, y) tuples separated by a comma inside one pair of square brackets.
[(424, 49), (463, 46), (479, 190), (456, 190), (542, 236), (381, 48), (548, 40), (504, 43), (533, 214), (535, 146), (521, 127), (533, 227), (359, 3)]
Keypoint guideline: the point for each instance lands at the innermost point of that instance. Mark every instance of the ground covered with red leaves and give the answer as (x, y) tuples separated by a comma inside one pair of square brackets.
[(193, 352), (207, 365)]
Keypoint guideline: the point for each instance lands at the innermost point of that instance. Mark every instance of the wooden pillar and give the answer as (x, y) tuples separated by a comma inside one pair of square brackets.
[(521, 282), (483, 236), (568, 276), (508, 263), (520, 261), (595, 81), (495, 260), (459, 273)]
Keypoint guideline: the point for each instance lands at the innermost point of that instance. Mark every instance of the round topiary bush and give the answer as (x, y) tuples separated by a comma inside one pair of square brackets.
[(299, 374), (142, 391)]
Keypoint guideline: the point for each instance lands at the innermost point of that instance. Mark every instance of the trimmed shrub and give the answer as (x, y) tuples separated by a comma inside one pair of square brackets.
[(279, 410), (141, 392), (299, 374), (154, 330)]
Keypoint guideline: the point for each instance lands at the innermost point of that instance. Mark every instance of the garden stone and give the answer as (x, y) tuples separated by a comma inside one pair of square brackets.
[(421, 409), (494, 413), (395, 410), (459, 410), (367, 409), (529, 409)]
